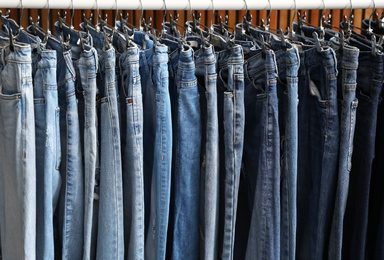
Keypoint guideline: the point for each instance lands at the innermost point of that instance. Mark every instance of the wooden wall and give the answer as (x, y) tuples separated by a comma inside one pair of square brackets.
[(279, 18)]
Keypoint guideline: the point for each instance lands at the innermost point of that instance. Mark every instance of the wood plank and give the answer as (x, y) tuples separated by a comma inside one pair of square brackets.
[(358, 16), (336, 17), (231, 18), (283, 19), (273, 23)]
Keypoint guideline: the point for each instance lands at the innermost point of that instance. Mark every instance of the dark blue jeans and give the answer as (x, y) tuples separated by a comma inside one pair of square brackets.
[(346, 83), (369, 86), (318, 151), (205, 61), (231, 135)]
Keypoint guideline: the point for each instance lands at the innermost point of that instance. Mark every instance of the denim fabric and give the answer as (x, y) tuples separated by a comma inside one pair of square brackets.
[(133, 178), (288, 63), (260, 179), (369, 86), (48, 154), (17, 154), (205, 62), (157, 146), (110, 234), (184, 222), (375, 236), (87, 67), (231, 134), (85, 62), (318, 151), (287, 89), (346, 83), (70, 210)]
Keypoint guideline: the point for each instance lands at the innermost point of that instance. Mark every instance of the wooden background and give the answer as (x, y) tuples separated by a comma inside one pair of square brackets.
[(279, 18)]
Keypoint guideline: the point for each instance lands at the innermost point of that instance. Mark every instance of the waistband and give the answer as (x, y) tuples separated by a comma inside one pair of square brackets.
[(311, 56), (160, 54), (232, 56), (21, 54), (186, 58), (205, 55), (48, 59), (130, 56)]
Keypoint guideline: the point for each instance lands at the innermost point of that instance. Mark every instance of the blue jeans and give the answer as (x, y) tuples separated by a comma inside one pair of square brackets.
[(133, 177), (157, 146), (48, 154), (71, 201), (287, 90), (260, 176), (85, 62), (110, 229), (205, 61), (369, 85), (17, 154), (318, 151), (184, 221), (231, 134), (347, 66)]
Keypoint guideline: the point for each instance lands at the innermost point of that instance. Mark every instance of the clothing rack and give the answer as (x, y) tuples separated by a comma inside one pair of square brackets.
[(193, 4)]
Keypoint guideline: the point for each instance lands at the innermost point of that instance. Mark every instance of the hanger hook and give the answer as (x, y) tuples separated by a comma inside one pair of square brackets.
[(371, 16), (165, 13), (190, 10), (294, 15), (142, 13), (323, 14), (269, 12), (116, 11), (22, 12), (49, 9), (213, 13), (97, 15), (246, 8), (72, 14)]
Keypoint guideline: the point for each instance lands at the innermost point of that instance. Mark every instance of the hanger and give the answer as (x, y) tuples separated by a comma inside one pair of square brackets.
[(4, 18)]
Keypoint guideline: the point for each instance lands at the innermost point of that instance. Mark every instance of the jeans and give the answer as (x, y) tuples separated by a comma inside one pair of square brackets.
[(318, 151), (70, 210), (87, 67), (17, 154), (110, 235), (85, 62), (157, 146), (184, 221), (133, 178), (346, 81), (260, 175), (231, 134), (48, 154), (369, 86), (205, 62), (288, 61)]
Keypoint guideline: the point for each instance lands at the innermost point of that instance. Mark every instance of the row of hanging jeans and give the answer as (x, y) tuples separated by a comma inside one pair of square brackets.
[(132, 147)]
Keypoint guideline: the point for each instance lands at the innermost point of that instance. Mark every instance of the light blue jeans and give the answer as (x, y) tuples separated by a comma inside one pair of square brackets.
[(17, 154), (157, 146), (133, 177)]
